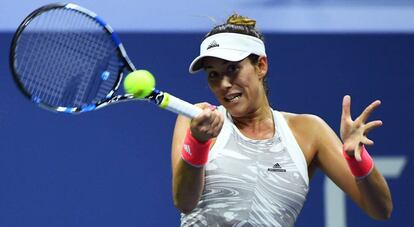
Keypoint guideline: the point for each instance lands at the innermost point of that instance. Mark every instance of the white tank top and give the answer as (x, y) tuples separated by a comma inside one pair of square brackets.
[(252, 182)]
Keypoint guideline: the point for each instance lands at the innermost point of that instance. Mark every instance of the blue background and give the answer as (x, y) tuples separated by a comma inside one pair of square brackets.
[(112, 167)]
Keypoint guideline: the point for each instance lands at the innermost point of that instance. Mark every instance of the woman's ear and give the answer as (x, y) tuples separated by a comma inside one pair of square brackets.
[(262, 67)]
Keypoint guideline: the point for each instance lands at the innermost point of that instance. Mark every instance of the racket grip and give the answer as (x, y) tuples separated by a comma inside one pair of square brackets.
[(179, 106)]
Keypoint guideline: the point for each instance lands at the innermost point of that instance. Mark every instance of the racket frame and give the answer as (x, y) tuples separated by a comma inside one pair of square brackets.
[(162, 99), (110, 97)]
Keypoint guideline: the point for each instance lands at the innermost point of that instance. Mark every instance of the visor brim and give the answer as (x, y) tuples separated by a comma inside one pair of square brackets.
[(225, 54)]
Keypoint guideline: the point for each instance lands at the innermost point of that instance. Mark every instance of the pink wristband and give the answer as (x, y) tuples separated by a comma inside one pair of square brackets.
[(194, 152), (360, 169)]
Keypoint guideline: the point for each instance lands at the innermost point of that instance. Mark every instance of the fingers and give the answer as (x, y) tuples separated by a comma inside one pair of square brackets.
[(372, 125), (357, 153), (205, 105), (207, 124), (368, 111), (216, 124), (204, 120), (367, 141), (353, 133), (346, 108)]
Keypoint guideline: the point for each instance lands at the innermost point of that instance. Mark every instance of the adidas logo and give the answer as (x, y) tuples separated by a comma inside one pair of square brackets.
[(187, 149), (276, 168), (213, 44)]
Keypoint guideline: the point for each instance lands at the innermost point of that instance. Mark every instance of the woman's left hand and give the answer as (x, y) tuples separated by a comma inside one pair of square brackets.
[(354, 132)]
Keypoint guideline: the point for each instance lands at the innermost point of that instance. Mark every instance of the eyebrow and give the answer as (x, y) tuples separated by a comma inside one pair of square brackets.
[(224, 62)]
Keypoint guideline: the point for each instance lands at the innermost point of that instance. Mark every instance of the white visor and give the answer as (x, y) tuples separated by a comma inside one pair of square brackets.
[(228, 46)]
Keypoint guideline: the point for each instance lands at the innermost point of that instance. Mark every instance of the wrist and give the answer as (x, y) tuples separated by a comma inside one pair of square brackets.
[(360, 169), (195, 152)]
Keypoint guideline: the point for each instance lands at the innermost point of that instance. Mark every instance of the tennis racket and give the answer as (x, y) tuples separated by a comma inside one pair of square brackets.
[(65, 58)]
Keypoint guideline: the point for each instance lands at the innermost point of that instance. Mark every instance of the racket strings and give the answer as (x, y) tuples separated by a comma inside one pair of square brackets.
[(67, 59)]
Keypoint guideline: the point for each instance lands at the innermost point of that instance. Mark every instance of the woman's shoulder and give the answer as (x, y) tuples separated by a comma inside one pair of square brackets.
[(302, 120), (307, 129)]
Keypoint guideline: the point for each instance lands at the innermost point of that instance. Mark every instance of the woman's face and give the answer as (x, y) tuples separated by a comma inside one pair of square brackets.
[(237, 85)]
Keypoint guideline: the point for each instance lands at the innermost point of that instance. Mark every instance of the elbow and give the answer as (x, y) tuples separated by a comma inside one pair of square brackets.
[(185, 203), (382, 216), (384, 213), (184, 207), (387, 213), (185, 210)]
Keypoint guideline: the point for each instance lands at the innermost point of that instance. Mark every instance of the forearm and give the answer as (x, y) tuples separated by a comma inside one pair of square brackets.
[(375, 195), (190, 155), (188, 184)]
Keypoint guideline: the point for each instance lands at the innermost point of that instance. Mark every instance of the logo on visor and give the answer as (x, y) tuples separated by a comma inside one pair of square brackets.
[(213, 44)]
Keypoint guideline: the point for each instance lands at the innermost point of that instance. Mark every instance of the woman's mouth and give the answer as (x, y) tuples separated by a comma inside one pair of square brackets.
[(232, 97)]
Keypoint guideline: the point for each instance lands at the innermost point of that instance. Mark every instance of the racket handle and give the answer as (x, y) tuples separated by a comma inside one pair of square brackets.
[(179, 106)]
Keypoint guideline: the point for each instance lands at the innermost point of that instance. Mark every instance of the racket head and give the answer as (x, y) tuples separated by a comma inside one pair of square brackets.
[(65, 58)]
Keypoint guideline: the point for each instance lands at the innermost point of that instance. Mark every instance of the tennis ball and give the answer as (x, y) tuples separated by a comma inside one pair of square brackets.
[(139, 83)]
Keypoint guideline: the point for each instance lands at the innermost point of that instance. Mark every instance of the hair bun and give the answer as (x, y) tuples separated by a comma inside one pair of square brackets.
[(241, 20)]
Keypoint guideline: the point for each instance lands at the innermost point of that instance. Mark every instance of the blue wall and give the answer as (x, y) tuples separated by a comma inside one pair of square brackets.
[(112, 167)]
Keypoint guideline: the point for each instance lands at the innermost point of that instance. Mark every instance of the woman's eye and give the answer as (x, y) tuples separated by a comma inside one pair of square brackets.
[(232, 69), (213, 75)]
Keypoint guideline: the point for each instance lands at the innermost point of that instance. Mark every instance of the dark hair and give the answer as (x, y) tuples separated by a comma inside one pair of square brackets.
[(242, 25), (237, 24)]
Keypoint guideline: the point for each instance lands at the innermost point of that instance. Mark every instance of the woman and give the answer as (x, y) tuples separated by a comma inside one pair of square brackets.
[(245, 164)]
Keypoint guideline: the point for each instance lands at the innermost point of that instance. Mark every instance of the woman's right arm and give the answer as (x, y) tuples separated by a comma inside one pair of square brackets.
[(188, 180)]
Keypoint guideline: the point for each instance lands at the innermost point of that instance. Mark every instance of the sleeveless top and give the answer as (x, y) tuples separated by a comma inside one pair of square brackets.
[(252, 182)]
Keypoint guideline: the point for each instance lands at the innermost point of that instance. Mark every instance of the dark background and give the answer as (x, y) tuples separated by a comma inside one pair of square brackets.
[(112, 167)]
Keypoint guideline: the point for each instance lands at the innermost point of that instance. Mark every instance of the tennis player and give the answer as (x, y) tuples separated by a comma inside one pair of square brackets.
[(246, 164)]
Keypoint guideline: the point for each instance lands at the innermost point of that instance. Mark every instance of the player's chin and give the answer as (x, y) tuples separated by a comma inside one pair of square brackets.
[(236, 109)]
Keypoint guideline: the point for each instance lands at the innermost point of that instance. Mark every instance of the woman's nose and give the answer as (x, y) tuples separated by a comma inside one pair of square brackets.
[(225, 81)]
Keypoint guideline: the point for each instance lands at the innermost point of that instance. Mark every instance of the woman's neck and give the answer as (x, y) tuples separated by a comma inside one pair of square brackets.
[(258, 124)]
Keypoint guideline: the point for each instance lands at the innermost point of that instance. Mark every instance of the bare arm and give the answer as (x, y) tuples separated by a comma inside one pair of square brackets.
[(371, 193), (188, 181)]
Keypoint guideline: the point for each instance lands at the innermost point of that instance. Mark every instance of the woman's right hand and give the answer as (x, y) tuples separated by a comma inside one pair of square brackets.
[(207, 124)]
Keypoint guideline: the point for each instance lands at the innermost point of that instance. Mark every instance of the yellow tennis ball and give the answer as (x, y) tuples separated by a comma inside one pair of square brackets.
[(139, 83)]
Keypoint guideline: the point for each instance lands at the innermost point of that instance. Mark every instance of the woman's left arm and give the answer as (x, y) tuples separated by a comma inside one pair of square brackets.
[(349, 165)]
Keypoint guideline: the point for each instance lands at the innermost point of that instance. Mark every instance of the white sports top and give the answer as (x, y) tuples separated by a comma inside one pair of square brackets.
[(252, 182)]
